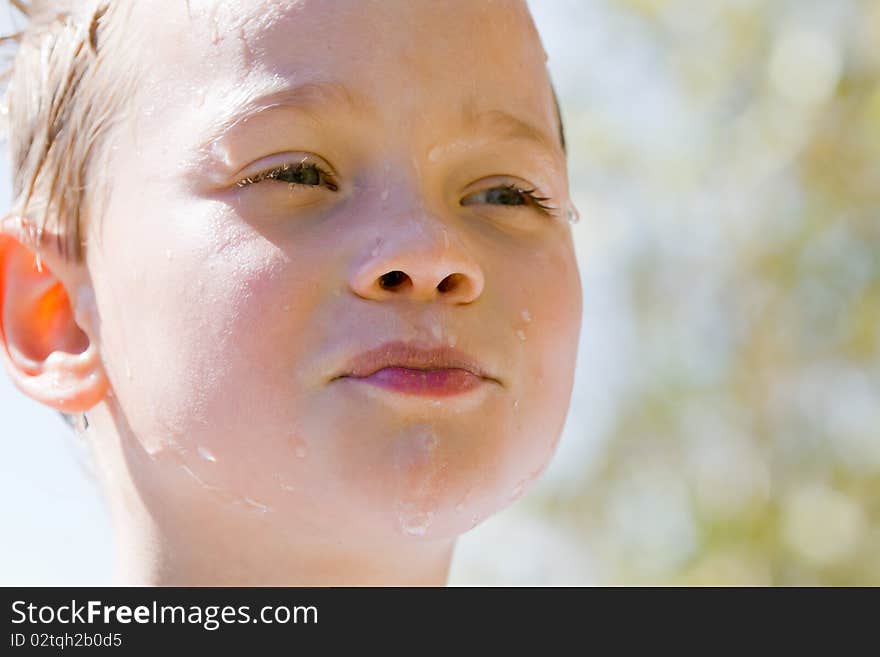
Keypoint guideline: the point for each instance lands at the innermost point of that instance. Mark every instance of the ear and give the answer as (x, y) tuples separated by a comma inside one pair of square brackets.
[(49, 357)]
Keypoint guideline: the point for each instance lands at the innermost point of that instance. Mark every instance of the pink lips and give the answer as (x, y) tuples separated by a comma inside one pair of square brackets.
[(416, 370), (431, 383)]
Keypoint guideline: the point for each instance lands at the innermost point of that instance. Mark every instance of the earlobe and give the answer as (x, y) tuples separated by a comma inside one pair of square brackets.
[(46, 353)]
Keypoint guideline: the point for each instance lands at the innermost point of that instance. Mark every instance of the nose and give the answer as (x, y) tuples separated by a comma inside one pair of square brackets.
[(418, 260)]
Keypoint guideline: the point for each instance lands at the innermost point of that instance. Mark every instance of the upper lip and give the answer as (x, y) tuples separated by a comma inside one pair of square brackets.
[(399, 353)]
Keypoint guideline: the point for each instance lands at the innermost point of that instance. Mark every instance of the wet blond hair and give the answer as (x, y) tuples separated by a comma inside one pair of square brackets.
[(58, 106)]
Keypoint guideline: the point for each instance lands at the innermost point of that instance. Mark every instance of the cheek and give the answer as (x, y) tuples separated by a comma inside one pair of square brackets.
[(205, 345), (545, 306)]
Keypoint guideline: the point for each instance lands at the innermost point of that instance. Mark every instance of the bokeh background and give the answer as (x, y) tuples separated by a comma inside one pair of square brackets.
[(725, 422)]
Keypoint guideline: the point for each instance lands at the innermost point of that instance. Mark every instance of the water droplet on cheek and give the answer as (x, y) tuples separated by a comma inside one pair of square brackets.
[(127, 370), (527, 317), (206, 454), (521, 334), (257, 506), (384, 195), (299, 447), (168, 254), (517, 490)]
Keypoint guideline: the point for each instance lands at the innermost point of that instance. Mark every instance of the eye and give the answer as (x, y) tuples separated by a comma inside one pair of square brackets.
[(511, 195), (303, 173)]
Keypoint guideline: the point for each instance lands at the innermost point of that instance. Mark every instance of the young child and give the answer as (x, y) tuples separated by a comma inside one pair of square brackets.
[(303, 269)]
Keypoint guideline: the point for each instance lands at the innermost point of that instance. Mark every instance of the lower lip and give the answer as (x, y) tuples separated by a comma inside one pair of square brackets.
[(426, 383)]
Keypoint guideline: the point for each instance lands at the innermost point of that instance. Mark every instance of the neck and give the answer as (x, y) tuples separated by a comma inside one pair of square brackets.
[(148, 555)]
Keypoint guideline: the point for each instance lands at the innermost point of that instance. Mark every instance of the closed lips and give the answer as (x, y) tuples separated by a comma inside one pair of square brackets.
[(412, 356)]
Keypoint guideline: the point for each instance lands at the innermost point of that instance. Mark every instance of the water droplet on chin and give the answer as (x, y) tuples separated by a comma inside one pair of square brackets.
[(284, 483), (527, 317), (205, 454), (168, 254), (437, 331), (521, 334), (452, 340), (416, 524)]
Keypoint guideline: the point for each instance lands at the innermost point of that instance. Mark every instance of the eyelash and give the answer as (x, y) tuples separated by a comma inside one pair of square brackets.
[(537, 201), (275, 174)]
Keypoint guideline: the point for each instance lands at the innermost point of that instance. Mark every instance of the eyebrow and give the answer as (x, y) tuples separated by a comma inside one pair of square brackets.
[(311, 97), (307, 98)]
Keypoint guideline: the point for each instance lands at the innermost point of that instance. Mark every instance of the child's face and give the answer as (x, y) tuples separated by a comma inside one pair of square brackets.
[(228, 312)]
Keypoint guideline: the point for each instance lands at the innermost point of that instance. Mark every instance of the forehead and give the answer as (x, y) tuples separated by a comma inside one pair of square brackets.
[(407, 58)]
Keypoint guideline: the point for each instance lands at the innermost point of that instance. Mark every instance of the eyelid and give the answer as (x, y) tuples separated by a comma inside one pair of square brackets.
[(499, 180)]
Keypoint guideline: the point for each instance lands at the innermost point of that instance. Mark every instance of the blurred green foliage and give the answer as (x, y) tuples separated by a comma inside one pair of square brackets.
[(745, 448)]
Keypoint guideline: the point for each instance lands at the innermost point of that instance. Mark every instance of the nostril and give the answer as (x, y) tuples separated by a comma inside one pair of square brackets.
[(450, 282), (392, 279)]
